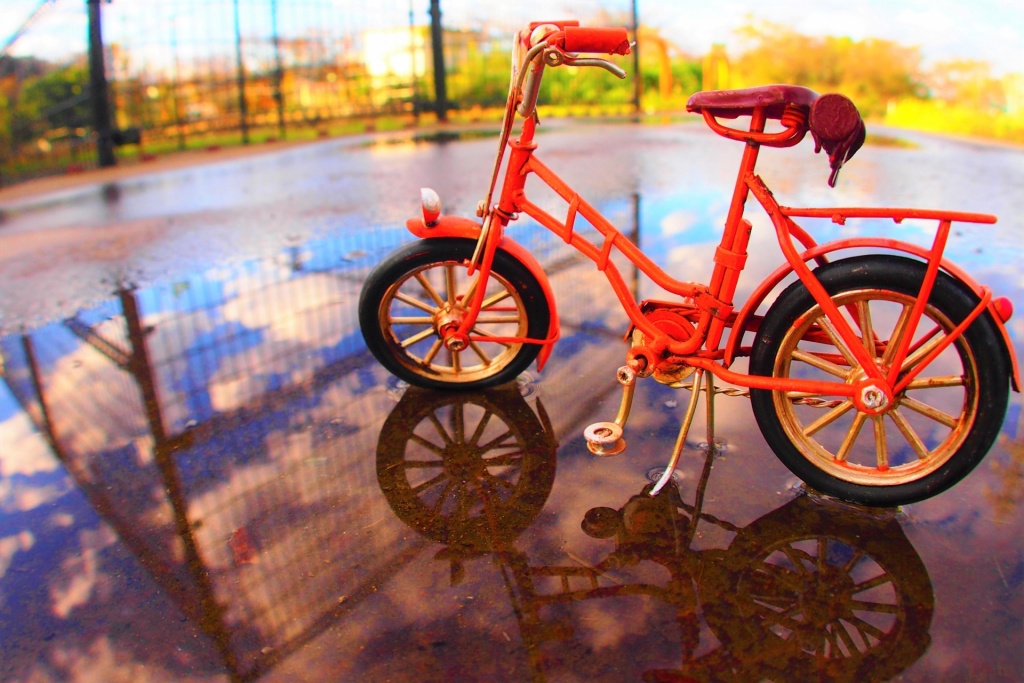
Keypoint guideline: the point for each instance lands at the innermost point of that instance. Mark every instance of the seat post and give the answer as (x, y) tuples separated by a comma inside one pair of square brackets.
[(733, 237), (740, 192)]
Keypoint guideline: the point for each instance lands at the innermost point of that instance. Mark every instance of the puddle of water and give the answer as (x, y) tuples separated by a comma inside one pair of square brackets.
[(208, 475)]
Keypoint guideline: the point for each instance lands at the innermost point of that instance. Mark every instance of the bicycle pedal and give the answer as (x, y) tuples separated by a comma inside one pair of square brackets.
[(604, 439)]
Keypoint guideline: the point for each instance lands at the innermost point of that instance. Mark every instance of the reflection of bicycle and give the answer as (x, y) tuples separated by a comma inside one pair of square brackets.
[(814, 590), (878, 378), (455, 466)]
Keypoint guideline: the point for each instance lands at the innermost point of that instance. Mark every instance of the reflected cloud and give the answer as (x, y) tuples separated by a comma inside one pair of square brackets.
[(225, 442)]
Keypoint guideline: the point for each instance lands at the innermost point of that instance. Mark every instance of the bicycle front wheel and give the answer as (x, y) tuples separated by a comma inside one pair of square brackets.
[(424, 287), (934, 432)]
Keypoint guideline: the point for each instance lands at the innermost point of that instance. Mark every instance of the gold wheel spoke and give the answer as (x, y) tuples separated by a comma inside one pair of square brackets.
[(936, 382), (881, 448), (484, 358), (897, 335), (497, 319), (837, 341), (429, 290), (415, 303), (828, 418), (820, 363), (851, 437), (456, 361), (417, 338), (471, 292), (449, 283), (412, 320), (495, 299), (432, 354), (918, 355), (866, 327), (929, 412), (909, 434), (485, 333)]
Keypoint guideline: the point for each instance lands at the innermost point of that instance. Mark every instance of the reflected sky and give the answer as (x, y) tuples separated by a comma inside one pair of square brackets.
[(206, 476)]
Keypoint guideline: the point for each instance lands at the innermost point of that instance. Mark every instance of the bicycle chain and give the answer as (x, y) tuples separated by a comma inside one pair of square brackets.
[(745, 393)]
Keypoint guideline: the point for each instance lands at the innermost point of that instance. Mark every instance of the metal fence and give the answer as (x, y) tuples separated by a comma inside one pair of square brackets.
[(199, 73)]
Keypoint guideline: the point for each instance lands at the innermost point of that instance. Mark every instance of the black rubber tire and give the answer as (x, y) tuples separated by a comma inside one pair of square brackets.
[(887, 281), (396, 273)]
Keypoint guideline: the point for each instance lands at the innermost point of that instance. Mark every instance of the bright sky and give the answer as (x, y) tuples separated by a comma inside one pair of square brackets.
[(988, 30)]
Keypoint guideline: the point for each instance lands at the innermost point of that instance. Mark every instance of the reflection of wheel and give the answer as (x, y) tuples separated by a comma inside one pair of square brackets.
[(423, 289), (932, 434), (469, 469), (815, 591)]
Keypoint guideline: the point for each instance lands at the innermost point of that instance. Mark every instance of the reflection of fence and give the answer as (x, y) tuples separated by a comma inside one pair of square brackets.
[(224, 426), (199, 73), (184, 412)]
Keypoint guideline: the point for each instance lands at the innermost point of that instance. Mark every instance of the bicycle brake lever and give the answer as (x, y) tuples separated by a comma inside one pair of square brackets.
[(594, 61)]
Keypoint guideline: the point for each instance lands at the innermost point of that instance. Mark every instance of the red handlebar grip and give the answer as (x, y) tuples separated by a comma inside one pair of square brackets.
[(612, 41)]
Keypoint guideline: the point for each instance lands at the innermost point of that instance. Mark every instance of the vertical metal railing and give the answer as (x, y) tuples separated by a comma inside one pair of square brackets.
[(207, 73)]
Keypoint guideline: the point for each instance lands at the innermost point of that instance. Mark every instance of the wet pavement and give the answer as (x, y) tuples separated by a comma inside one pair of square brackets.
[(204, 475)]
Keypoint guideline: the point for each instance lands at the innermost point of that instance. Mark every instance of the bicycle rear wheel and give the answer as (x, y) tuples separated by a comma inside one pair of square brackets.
[(934, 432)]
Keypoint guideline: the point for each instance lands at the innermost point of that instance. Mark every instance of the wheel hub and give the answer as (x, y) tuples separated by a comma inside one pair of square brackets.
[(871, 396), (446, 324)]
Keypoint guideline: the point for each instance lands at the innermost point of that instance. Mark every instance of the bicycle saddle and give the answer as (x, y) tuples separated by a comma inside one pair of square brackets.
[(730, 104)]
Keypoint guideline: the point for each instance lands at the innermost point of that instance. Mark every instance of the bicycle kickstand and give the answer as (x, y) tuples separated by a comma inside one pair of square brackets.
[(684, 430), (605, 438)]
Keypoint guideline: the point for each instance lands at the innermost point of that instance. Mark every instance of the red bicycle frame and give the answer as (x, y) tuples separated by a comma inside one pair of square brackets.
[(711, 306)]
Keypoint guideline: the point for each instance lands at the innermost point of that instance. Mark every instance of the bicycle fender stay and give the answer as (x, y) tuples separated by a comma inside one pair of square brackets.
[(456, 226), (746, 315)]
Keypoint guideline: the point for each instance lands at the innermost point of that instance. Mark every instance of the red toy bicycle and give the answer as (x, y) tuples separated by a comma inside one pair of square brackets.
[(879, 378)]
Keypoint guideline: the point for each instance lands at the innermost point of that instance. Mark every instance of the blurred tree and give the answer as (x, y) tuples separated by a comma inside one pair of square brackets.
[(56, 100), (872, 72), (5, 127), (14, 72), (969, 83)]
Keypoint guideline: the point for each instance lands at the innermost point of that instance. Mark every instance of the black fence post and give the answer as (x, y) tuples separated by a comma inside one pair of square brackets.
[(99, 95), (437, 46), (243, 107), (278, 69)]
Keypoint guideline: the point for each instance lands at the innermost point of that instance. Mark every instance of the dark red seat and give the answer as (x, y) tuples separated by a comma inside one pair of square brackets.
[(730, 104)]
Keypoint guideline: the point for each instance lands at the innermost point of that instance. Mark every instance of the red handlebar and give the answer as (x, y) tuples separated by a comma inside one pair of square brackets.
[(613, 41)]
